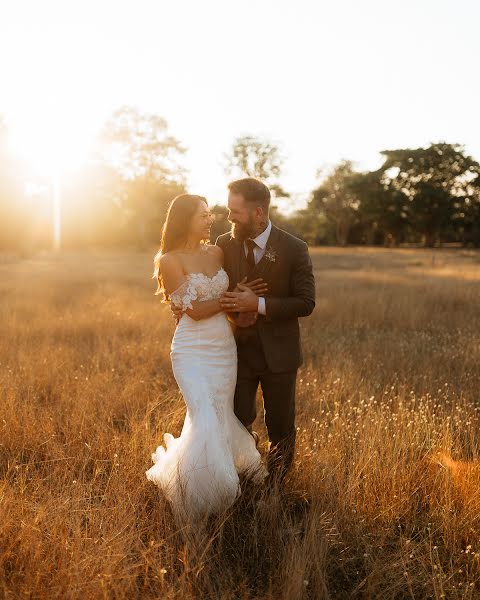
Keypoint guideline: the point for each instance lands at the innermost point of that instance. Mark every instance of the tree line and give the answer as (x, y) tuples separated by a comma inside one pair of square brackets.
[(427, 196)]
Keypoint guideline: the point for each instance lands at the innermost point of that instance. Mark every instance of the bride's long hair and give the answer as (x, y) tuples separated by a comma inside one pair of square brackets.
[(175, 232)]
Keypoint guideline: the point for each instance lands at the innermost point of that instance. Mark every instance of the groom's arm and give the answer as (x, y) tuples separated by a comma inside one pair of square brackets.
[(302, 301), (221, 242)]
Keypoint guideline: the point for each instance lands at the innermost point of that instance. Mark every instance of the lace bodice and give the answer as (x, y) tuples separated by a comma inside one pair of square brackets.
[(199, 286)]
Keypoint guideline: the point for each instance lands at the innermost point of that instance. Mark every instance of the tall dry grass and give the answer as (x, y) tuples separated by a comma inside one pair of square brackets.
[(391, 377)]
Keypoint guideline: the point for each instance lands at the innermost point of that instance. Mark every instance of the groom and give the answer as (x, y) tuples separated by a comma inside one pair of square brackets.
[(267, 332)]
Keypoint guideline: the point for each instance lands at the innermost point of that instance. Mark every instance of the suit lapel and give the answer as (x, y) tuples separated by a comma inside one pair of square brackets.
[(264, 265), (261, 269)]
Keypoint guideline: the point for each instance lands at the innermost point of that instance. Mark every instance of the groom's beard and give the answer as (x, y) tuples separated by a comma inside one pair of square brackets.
[(243, 231)]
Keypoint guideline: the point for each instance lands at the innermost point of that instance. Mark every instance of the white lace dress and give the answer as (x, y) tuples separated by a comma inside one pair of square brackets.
[(198, 471)]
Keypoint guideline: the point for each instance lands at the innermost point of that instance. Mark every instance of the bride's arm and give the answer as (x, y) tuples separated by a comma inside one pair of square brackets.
[(182, 293)]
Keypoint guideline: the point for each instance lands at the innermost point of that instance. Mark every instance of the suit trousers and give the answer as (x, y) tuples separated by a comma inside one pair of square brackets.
[(278, 401)]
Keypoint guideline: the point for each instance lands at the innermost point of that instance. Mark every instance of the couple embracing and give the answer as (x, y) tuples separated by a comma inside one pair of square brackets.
[(236, 305)]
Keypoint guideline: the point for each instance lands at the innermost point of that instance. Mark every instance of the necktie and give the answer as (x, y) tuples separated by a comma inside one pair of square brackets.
[(250, 255)]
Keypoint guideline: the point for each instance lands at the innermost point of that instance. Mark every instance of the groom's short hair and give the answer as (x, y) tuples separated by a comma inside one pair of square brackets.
[(253, 190)]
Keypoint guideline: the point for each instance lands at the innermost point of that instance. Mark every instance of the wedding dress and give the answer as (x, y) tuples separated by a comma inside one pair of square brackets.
[(198, 471)]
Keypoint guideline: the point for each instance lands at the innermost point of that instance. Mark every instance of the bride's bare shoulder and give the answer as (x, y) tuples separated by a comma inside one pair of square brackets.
[(171, 261)]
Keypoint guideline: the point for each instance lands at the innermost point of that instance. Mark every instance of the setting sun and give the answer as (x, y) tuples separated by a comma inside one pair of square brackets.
[(51, 140)]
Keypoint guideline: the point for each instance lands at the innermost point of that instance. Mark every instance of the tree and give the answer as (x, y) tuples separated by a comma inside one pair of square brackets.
[(255, 157), (336, 198), (92, 211), (434, 184), (140, 148), (471, 215), (382, 212)]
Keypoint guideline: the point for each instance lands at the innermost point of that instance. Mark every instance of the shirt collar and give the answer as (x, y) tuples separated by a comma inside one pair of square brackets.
[(261, 240)]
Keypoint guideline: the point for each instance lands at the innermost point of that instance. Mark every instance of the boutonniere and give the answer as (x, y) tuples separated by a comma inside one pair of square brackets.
[(270, 254)]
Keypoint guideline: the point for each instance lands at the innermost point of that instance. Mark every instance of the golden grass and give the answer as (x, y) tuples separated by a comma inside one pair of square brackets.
[(377, 504)]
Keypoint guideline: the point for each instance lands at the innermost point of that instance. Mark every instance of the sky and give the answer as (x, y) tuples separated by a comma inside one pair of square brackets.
[(327, 81)]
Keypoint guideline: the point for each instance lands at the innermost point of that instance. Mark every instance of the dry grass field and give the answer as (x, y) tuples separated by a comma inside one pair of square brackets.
[(370, 510)]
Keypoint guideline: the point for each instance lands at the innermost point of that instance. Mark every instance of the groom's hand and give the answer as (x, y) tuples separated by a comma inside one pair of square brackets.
[(243, 301), (259, 286)]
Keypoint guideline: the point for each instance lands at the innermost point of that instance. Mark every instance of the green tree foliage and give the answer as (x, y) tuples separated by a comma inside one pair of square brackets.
[(255, 157), (429, 194), (471, 215), (138, 146), (383, 212), (337, 199), (434, 184)]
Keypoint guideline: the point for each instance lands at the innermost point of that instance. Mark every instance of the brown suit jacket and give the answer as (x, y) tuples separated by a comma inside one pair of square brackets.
[(287, 268)]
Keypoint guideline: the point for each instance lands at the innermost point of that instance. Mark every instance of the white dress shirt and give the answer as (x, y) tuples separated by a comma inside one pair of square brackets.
[(258, 251)]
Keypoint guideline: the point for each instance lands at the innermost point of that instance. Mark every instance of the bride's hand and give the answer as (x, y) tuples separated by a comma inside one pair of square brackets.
[(258, 286)]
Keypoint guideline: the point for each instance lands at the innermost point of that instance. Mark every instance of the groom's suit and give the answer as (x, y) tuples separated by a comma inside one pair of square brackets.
[(269, 352)]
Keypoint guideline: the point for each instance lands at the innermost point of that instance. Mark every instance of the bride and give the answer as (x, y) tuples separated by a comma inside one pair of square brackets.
[(198, 471)]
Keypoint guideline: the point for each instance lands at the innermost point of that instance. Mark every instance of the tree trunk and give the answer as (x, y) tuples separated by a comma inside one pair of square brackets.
[(429, 239), (342, 230)]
